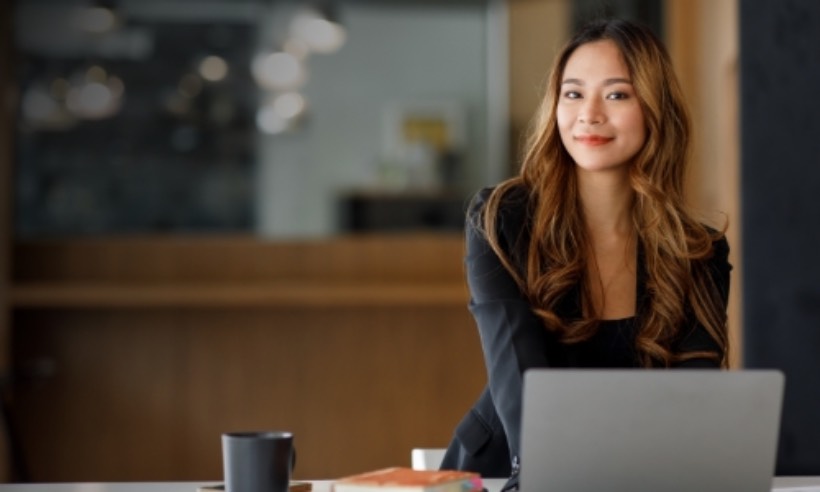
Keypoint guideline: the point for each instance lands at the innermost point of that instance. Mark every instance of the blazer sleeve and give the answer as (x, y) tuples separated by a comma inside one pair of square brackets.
[(513, 338), (698, 339)]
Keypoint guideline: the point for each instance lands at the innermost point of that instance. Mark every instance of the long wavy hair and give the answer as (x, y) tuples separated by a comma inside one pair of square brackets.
[(674, 243)]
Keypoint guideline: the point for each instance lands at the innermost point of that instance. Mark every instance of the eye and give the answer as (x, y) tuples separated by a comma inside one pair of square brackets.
[(572, 95), (617, 95)]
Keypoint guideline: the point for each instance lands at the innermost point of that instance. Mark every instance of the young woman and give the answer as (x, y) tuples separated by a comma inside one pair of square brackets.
[(589, 257)]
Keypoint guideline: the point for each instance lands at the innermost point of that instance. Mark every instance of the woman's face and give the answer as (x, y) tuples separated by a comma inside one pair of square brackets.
[(599, 116)]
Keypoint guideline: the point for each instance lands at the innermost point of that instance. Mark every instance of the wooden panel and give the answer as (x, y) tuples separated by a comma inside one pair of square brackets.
[(703, 44), (157, 259), (142, 351), (212, 296), (537, 30), (144, 395)]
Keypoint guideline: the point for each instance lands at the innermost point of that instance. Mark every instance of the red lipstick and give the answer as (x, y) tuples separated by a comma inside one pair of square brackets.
[(593, 140)]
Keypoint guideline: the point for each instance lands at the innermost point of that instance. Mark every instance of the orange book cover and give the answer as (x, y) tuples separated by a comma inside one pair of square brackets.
[(408, 480)]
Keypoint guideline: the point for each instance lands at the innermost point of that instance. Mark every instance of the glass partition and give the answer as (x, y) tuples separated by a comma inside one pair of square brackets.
[(277, 118)]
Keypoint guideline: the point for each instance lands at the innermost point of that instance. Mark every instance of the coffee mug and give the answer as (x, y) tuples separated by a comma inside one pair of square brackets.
[(257, 461)]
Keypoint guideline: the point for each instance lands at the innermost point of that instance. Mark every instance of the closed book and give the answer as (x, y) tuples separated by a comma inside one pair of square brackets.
[(294, 487), (400, 479)]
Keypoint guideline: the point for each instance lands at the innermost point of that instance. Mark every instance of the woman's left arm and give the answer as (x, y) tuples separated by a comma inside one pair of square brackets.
[(699, 339)]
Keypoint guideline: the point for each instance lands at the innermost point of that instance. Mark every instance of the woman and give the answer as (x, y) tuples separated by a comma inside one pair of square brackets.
[(589, 257)]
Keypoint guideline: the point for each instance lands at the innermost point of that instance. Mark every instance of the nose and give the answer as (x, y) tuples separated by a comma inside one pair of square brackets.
[(591, 112)]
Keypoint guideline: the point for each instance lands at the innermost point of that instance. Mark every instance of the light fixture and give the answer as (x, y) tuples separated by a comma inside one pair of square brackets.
[(99, 17), (213, 68), (281, 113), (318, 27), (269, 121), (278, 71), (289, 105), (297, 48), (95, 94)]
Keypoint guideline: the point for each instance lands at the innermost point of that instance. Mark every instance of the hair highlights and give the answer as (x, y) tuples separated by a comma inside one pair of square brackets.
[(673, 242)]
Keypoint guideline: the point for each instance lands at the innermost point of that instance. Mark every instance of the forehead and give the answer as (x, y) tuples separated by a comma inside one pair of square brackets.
[(598, 60)]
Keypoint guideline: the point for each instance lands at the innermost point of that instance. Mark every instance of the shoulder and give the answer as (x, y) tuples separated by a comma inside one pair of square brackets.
[(510, 218), (720, 247), (715, 263), (513, 202)]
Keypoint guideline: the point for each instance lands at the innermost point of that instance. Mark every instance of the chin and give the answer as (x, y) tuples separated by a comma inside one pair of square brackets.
[(593, 167)]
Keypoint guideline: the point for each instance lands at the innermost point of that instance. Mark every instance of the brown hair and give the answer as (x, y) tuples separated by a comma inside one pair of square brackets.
[(673, 242)]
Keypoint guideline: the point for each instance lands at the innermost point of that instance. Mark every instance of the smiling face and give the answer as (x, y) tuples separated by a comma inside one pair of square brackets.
[(599, 116)]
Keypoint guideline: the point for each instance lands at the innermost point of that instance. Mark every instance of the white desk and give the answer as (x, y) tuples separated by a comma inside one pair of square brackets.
[(796, 484), (493, 485), (781, 484)]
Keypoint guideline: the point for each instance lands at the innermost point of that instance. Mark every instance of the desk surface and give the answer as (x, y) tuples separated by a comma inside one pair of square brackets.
[(781, 484), (493, 485)]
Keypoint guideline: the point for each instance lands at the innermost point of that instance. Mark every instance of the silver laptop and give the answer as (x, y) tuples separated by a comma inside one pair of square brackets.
[(649, 430)]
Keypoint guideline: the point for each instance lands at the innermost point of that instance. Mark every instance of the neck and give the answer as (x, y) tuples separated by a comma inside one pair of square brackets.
[(606, 199)]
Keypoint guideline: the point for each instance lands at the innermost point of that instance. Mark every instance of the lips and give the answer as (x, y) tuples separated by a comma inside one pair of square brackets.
[(593, 140)]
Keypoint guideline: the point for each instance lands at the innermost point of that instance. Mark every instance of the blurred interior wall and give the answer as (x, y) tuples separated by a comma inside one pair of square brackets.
[(538, 29), (400, 56), (779, 77)]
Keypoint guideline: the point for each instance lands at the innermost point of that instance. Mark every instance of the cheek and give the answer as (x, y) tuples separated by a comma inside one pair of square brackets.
[(635, 123), (640, 130), (564, 120), (562, 116)]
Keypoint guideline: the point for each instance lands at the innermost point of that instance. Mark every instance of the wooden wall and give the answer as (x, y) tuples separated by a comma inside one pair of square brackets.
[(702, 37), (148, 348), (537, 30)]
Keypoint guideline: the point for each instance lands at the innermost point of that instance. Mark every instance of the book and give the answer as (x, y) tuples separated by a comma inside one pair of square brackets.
[(399, 479), (294, 487)]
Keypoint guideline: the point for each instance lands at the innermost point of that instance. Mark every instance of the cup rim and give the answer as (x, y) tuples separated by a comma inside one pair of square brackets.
[(258, 434)]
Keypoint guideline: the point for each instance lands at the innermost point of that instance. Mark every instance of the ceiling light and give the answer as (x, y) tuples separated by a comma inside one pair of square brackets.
[(268, 121), (213, 68), (289, 105), (319, 29), (280, 70), (98, 18)]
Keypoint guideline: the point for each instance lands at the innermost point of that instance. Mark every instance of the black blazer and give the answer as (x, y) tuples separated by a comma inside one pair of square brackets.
[(513, 339)]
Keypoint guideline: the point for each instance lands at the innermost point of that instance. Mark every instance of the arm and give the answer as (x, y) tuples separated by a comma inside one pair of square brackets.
[(699, 340), (513, 338)]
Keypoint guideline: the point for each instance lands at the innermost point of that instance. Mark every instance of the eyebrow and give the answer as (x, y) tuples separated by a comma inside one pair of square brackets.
[(612, 81)]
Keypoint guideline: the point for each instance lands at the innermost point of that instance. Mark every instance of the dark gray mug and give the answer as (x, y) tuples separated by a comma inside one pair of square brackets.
[(257, 461)]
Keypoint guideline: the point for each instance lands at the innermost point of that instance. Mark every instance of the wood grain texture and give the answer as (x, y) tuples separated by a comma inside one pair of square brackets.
[(703, 42), (240, 259), (149, 348), (283, 294), (144, 395)]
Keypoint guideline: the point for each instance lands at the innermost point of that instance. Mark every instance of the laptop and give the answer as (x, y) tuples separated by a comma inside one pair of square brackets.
[(621, 430)]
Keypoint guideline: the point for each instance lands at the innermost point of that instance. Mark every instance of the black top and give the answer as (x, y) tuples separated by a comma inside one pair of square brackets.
[(514, 339), (612, 346)]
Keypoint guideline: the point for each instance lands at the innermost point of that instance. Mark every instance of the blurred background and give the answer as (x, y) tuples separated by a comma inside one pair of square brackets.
[(276, 118), (231, 215)]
